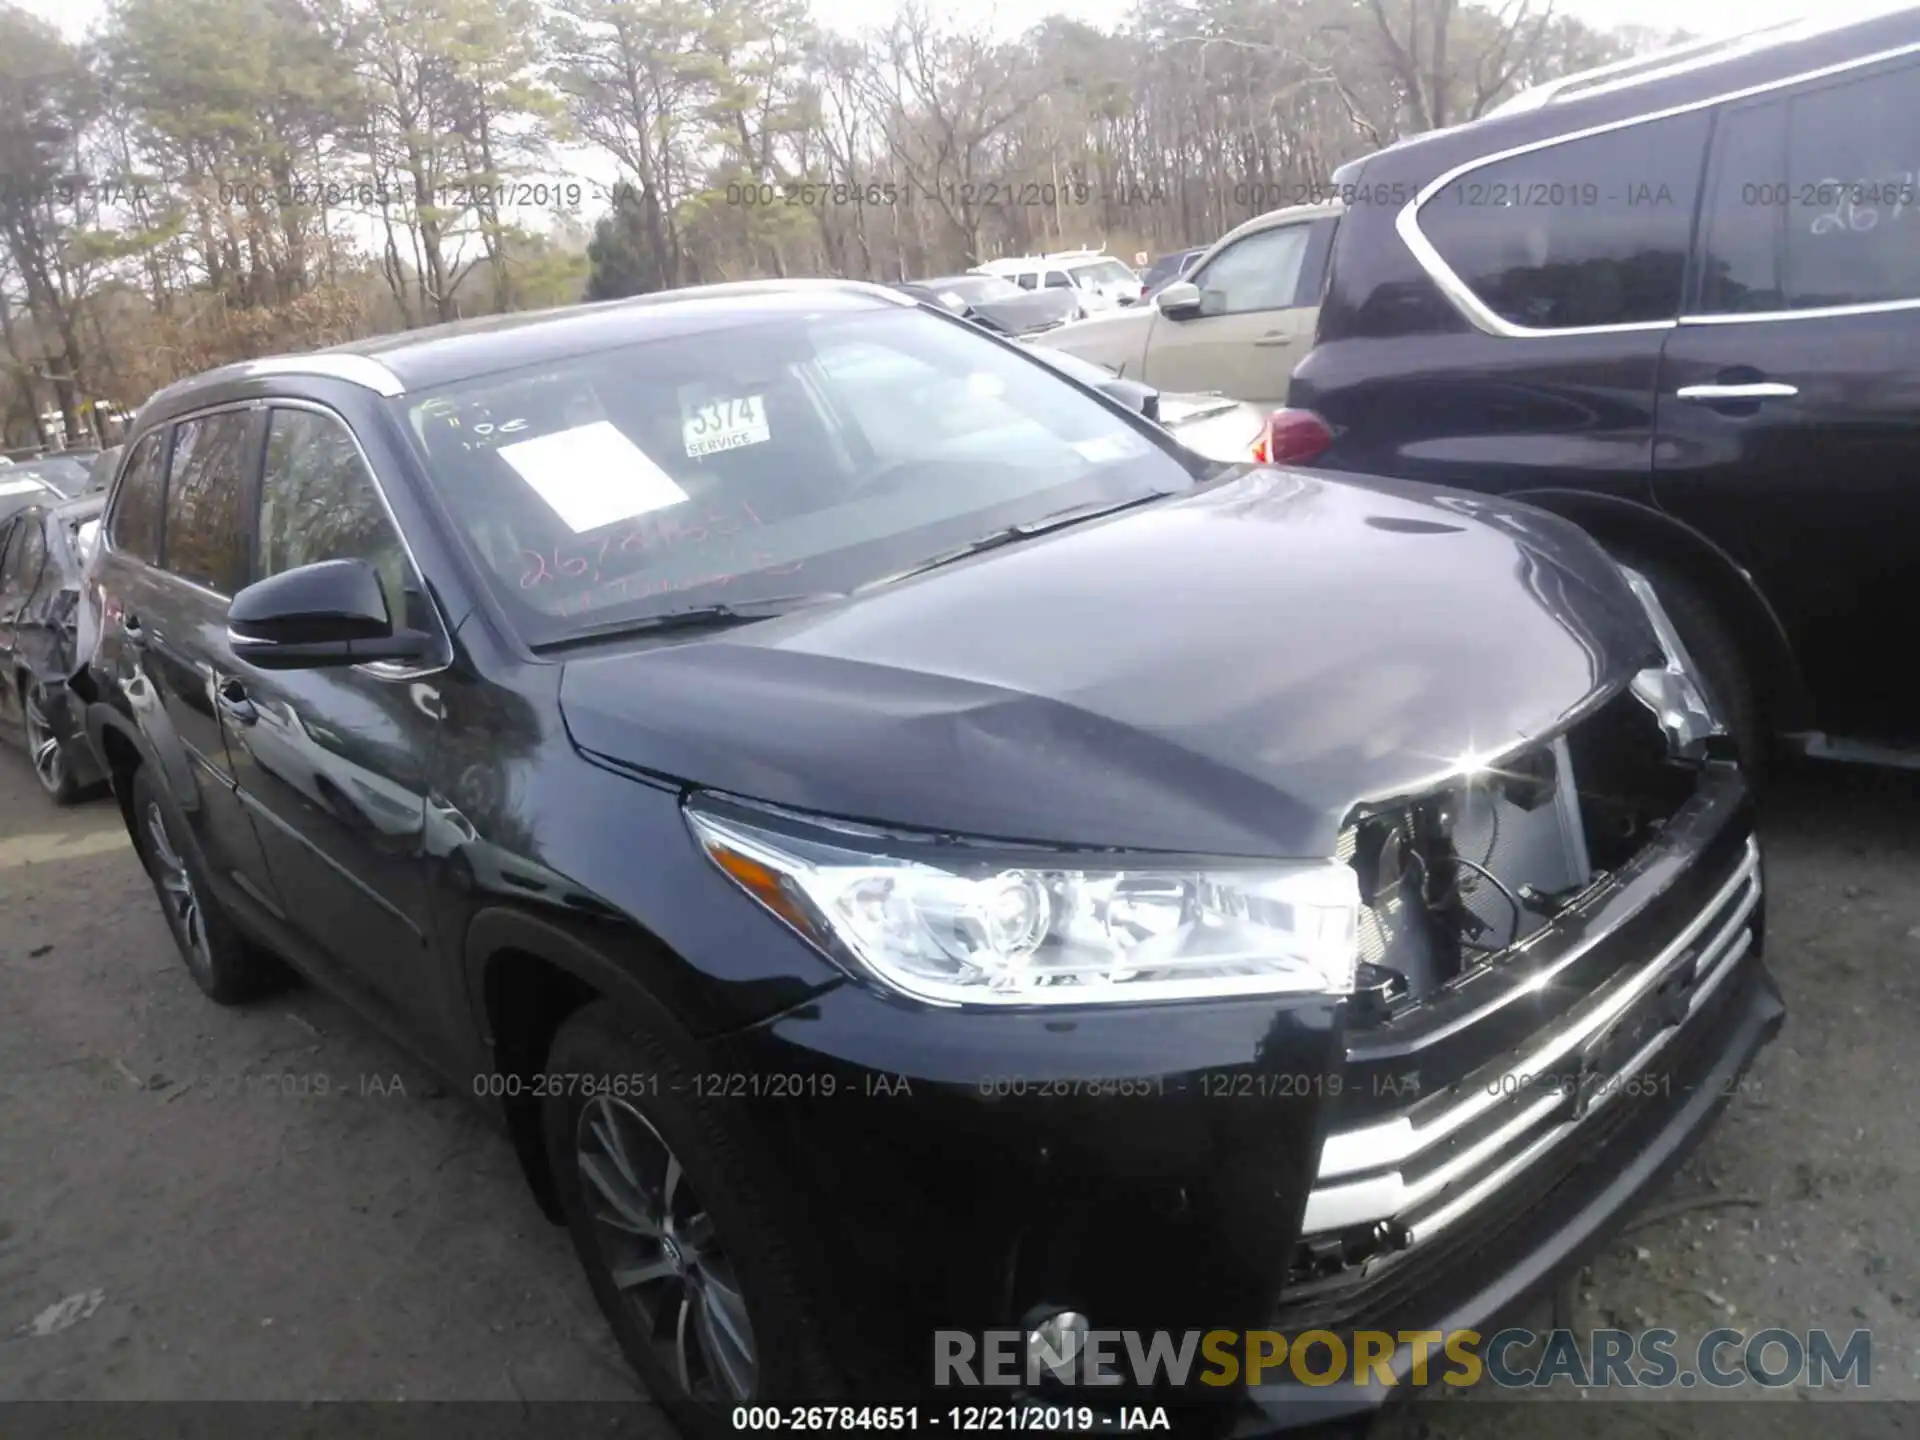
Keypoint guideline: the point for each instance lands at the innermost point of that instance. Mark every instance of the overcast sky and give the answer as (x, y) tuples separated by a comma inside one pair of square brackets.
[(1012, 17), (1702, 17)]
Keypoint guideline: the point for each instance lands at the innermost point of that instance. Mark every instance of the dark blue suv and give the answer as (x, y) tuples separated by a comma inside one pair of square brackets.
[(902, 845)]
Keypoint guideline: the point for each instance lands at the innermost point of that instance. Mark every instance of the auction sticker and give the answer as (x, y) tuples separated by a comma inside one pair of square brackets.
[(592, 475), (724, 424)]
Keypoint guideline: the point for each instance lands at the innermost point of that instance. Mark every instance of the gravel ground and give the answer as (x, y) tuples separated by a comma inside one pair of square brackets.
[(276, 1204)]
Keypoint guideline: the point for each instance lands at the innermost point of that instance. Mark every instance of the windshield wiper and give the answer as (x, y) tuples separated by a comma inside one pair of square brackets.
[(1008, 535), (690, 617)]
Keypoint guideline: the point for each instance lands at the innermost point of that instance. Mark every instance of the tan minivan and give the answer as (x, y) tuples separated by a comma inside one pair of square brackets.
[(1236, 325)]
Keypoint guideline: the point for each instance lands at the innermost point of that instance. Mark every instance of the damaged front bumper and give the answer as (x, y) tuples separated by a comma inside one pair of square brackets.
[(1278, 1164)]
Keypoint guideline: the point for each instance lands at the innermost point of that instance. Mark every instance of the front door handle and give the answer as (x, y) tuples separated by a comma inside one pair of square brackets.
[(1722, 394), (1275, 337), (131, 632), (232, 699)]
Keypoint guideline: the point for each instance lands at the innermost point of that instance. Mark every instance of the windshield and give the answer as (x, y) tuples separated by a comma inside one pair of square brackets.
[(1107, 273), (836, 448), (1087, 372), (68, 474)]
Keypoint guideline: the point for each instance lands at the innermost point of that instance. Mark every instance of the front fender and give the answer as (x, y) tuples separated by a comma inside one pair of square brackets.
[(1621, 523)]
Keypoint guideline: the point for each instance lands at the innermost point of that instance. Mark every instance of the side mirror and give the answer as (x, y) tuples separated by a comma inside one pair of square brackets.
[(1179, 301), (326, 614)]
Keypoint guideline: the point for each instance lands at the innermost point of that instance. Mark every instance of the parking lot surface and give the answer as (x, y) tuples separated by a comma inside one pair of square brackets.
[(273, 1203)]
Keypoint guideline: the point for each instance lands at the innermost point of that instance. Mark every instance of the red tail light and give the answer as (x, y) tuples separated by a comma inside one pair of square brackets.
[(1292, 437)]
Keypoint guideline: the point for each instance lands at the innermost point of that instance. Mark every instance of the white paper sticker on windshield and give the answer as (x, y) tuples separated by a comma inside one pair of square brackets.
[(592, 475), (724, 424), (1110, 447), (19, 487)]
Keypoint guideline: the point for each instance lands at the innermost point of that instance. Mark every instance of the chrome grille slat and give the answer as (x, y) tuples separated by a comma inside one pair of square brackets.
[(1375, 1173), (1427, 1226)]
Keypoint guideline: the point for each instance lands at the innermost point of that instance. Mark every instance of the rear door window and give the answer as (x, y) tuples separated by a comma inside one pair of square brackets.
[(135, 525), (206, 488), (26, 551), (1814, 199), (1589, 232)]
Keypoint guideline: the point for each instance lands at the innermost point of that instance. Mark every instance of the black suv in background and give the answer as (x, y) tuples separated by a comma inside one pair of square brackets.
[(1677, 300), (903, 844)]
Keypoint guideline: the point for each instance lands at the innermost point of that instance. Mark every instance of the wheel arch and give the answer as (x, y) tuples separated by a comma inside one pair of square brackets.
[(1623, 524), (525, 976), (116, 741)]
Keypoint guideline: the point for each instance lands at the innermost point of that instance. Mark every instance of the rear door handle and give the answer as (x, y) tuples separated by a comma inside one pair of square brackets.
[(131, 631), (1718, 394), (231, 696)]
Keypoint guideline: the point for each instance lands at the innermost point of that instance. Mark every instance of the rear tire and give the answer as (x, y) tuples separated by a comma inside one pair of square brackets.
[(223, 963), (51, 765), (660, 1186), (1721, 665)]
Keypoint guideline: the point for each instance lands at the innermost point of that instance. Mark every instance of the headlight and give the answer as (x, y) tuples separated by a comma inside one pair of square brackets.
[(1671, 691), (957, 923)]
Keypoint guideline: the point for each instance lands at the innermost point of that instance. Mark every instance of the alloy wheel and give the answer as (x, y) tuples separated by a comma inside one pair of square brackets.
[(665, 1257), (43, 747), (177, 893)]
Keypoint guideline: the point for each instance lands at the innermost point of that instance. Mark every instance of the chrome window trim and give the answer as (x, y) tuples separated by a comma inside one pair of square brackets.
[(1457, 291), (1820, 312), (378, 669)]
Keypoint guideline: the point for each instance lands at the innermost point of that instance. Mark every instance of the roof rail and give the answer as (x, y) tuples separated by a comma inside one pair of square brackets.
[(1051, 257), (362, 370), (1646, 67)]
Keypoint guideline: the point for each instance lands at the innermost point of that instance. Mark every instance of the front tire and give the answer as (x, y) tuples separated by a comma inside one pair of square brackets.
[(221, 961), (676, 1227)]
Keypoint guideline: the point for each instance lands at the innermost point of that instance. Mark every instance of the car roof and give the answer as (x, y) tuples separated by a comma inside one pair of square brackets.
[(13, 487), (1288, 215), (56, 457), (1687, 76), (1705, 57), (425, 359)]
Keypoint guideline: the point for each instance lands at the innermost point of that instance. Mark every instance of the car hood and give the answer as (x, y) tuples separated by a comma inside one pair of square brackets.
[(1030, 311), (1212, 425), (1115, 322), (1227, 672)]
